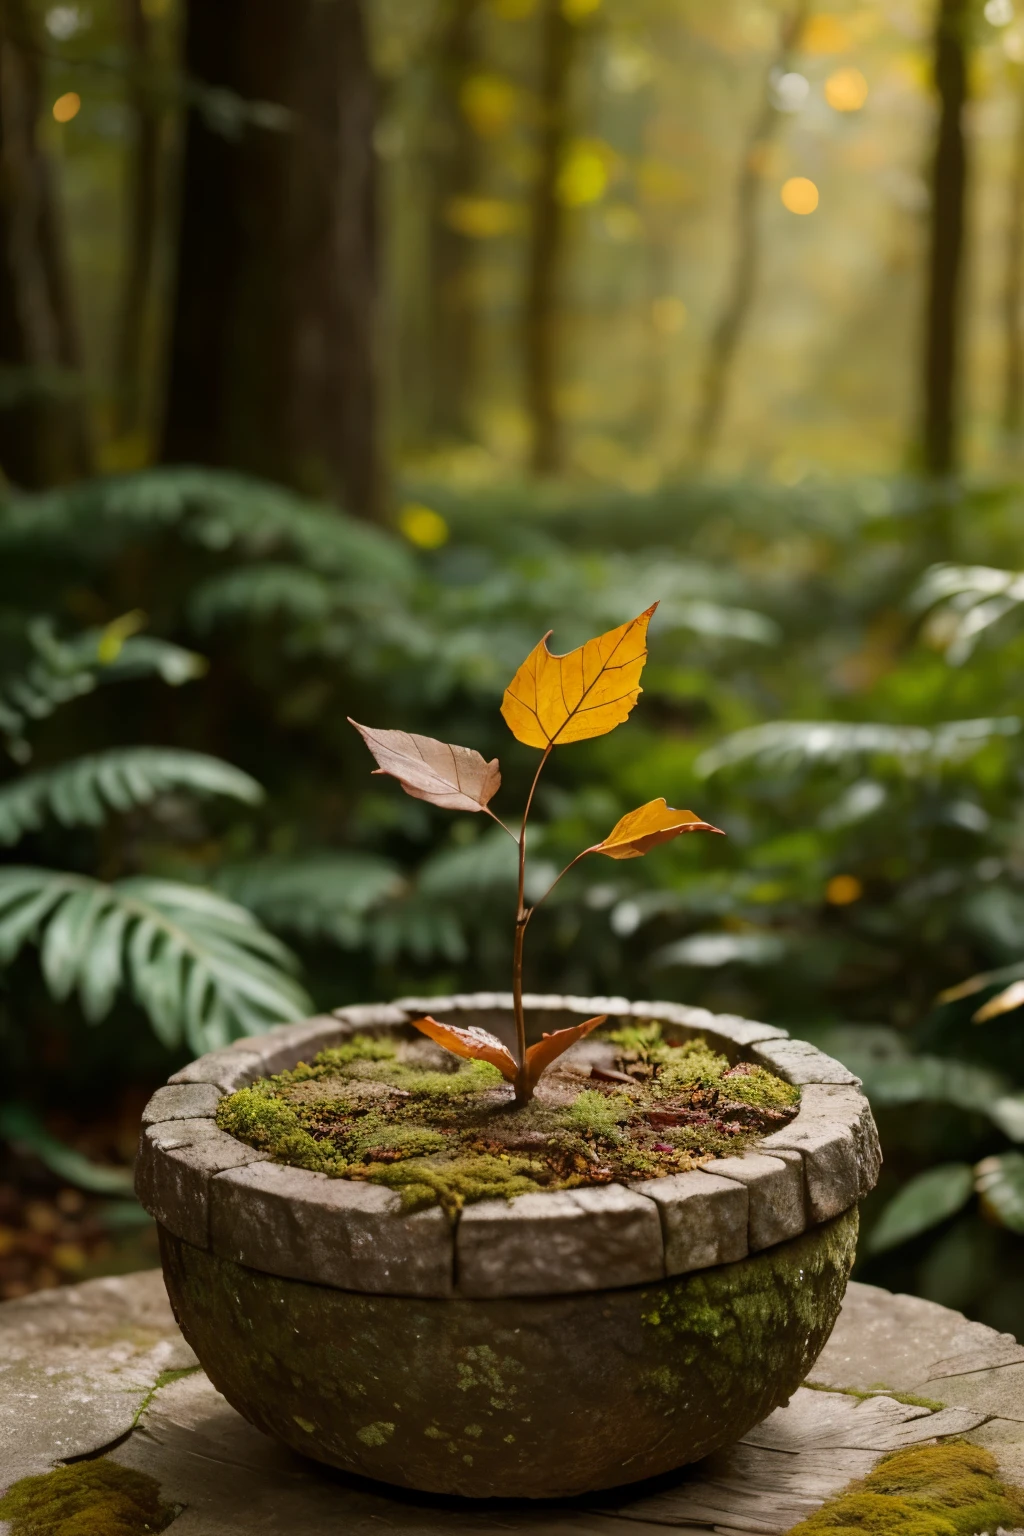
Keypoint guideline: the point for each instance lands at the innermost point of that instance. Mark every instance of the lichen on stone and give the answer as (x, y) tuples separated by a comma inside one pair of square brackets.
[(89, 1498), (929, 1490), (442, 1131)]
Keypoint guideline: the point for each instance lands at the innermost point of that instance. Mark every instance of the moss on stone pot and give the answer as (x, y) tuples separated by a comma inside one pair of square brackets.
[(478, 1397), (410, 1116)]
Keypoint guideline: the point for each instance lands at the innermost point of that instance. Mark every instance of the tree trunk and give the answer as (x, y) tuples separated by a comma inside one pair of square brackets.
[(1013, 291), (44, 428), (455, 173), (546, 241), (142, 213), (949, 182), (273, 367), (728, 331)]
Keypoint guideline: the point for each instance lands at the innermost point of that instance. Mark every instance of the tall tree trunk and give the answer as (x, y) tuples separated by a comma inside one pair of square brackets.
[(1013, 290), (142, 213), (949, 183), (273, 366), (547, 238), (728, 330), (455, 173), (44, 427)]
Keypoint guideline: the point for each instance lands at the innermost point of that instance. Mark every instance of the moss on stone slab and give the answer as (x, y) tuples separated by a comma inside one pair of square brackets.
[(89, 1498), (438, 1130), (929, 1490)]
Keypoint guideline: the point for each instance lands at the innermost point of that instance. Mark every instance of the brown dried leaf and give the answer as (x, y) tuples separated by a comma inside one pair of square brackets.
[(473, 1043), (643, 829), (548, 1049), (553, 700), (456, 778)]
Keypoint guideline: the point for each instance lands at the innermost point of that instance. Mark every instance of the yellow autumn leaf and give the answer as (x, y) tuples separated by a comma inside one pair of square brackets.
[(474, 1044), (643, 829), (553, 700), (548, 1049)]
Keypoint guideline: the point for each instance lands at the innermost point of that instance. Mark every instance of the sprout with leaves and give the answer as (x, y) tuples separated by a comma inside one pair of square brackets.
[(551, 701)]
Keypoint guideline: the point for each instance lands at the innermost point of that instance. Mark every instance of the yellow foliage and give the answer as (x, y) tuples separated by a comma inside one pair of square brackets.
[(799, 195), (553, 700), (481, 218), (826, 33), (584, 175), (423, 526), (488, 103), (67, 106), (639, 831)]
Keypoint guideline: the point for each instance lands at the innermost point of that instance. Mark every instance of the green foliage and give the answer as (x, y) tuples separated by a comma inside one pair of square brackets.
[(202, 967), (84, 792), (926, 1200)]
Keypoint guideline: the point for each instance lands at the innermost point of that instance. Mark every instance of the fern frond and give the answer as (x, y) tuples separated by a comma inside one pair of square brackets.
[(201, 967), (966, 601), (83, 792), (216, 509), (318, 896), (259, 591), (786, 746), (61, 670)]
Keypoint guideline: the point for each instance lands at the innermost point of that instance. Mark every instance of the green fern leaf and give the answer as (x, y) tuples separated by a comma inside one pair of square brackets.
[(201, 967), (788, 746), (83, 792)]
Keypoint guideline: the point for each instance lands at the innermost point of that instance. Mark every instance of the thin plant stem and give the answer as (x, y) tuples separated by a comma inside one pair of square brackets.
[(524, 1088), (501, 824), (571, 865)]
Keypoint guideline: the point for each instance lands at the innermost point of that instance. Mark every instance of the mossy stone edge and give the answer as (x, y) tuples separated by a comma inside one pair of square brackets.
[(516, 1396)]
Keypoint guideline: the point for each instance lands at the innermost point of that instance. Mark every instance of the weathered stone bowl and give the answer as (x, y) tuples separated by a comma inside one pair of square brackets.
[(555, 1344)]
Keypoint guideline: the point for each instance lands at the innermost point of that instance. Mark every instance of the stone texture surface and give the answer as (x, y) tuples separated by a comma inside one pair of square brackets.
[(233, 1481), (182, 1101), (176, 1161), (234, 1067), (569, 1240), (76, 1366), (776, 1190), (704, 1219), (291, 1222), (651, 1376), (823, 1108), (797, 1061), (832, 1172)]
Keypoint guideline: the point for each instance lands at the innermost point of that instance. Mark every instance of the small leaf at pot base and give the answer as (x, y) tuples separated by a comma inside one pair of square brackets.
[(540, 1056), (553, 700), (456, 778), (643, 829), (474, 1044)]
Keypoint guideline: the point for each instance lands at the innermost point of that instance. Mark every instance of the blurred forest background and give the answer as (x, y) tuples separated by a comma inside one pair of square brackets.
[(344, 350)]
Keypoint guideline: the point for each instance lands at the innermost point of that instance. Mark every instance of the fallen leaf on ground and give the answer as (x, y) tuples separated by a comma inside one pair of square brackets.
[(473, 1043)]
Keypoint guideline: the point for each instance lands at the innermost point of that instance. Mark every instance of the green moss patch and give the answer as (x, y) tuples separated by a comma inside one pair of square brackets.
[(90, 1498), (444, 1131), (931, 1490)]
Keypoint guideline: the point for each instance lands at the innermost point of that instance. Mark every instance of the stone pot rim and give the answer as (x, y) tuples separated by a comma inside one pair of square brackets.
[(217, 1193)]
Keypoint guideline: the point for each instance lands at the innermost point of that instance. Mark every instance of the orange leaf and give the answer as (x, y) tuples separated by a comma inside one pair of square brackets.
[(473, 1043), (641, 830), (540, 1056), (454, 777), (1004, 1002), (557, 699)]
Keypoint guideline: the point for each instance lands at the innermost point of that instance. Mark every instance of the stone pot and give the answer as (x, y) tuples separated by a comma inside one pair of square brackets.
[(556, 1344)]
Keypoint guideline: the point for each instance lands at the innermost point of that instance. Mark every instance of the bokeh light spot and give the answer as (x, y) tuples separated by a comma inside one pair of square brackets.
[(423, 526), (584, 176), (67, 106), (842, 890), (846, 90), (799, 195), (579, 10)]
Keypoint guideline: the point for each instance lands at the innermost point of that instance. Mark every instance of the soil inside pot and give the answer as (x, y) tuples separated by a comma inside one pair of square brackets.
[(439, 1130)]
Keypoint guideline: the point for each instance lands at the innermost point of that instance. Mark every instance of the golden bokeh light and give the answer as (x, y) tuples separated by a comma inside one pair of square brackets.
[(488, 103), (579, 10), (423, 526), (842, 890), (67, 106), (584, 175), (668, 315), (826, 33), (799, 195), (481, 218), (846, 90)]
